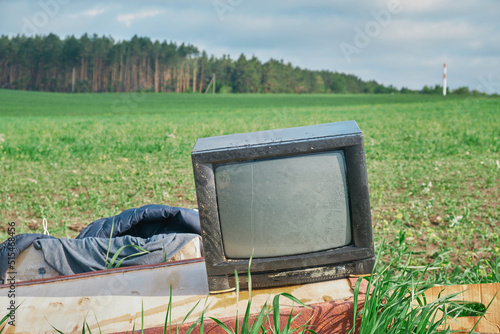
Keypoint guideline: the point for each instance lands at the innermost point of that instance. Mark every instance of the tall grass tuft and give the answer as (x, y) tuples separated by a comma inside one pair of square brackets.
[(397, 302), (261, 324), (168, 318)]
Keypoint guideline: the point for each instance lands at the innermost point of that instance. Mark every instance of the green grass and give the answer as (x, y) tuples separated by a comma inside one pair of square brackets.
[(398, 304), (432, 161)]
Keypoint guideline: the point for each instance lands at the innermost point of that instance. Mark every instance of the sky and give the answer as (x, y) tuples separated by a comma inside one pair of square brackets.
[(400, 42)]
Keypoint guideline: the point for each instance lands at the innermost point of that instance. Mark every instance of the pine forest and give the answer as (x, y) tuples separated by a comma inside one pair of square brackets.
[(101, 64)]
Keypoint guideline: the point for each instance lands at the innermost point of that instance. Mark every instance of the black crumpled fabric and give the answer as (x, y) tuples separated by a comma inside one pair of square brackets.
[(162, 230)]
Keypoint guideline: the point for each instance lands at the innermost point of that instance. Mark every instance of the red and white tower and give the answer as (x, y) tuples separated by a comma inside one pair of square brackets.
[(444, 80)]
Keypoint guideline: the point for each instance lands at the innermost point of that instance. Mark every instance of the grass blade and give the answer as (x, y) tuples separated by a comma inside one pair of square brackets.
[(142, 317), (169, 312), (98, 326), (88, 327), (259, 322), (244, 324), (237, 283), (4, 319), (221, 325), (53, 326), (164, 258), (115, 256), (109, 243)]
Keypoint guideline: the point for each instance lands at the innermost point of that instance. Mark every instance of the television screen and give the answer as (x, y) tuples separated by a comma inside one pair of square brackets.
[(294, 200), (265, 206)]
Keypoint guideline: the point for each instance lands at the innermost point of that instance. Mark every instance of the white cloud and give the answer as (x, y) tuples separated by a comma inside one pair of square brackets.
[(92, 12), (418, 30), (128, 18)]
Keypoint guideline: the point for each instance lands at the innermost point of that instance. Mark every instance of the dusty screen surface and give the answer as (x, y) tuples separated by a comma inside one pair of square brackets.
[(283, 206)]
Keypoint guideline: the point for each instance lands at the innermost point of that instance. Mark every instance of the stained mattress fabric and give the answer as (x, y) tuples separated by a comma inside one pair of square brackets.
[(161, 230)]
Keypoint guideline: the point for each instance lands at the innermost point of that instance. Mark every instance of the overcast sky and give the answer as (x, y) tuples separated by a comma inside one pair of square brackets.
[(399, 42)]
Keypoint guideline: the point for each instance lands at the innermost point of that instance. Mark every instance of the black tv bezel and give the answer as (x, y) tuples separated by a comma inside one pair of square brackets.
[(354, 259)]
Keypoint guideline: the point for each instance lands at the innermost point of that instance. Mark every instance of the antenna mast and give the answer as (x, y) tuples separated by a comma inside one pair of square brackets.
[(444, 80)]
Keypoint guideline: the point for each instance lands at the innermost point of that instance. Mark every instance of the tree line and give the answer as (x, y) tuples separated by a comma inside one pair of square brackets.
[(101, 64)]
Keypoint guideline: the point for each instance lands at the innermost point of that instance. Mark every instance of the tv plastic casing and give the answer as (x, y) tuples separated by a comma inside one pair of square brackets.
[(357, 258)]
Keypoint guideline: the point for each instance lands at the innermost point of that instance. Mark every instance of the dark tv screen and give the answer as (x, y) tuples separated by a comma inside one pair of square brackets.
[(265, 206)]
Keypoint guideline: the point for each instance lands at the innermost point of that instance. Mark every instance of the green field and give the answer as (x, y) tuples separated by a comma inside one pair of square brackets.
[(433, 161)]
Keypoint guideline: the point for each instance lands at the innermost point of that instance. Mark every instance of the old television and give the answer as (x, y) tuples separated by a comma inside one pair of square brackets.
[(293, 200)]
